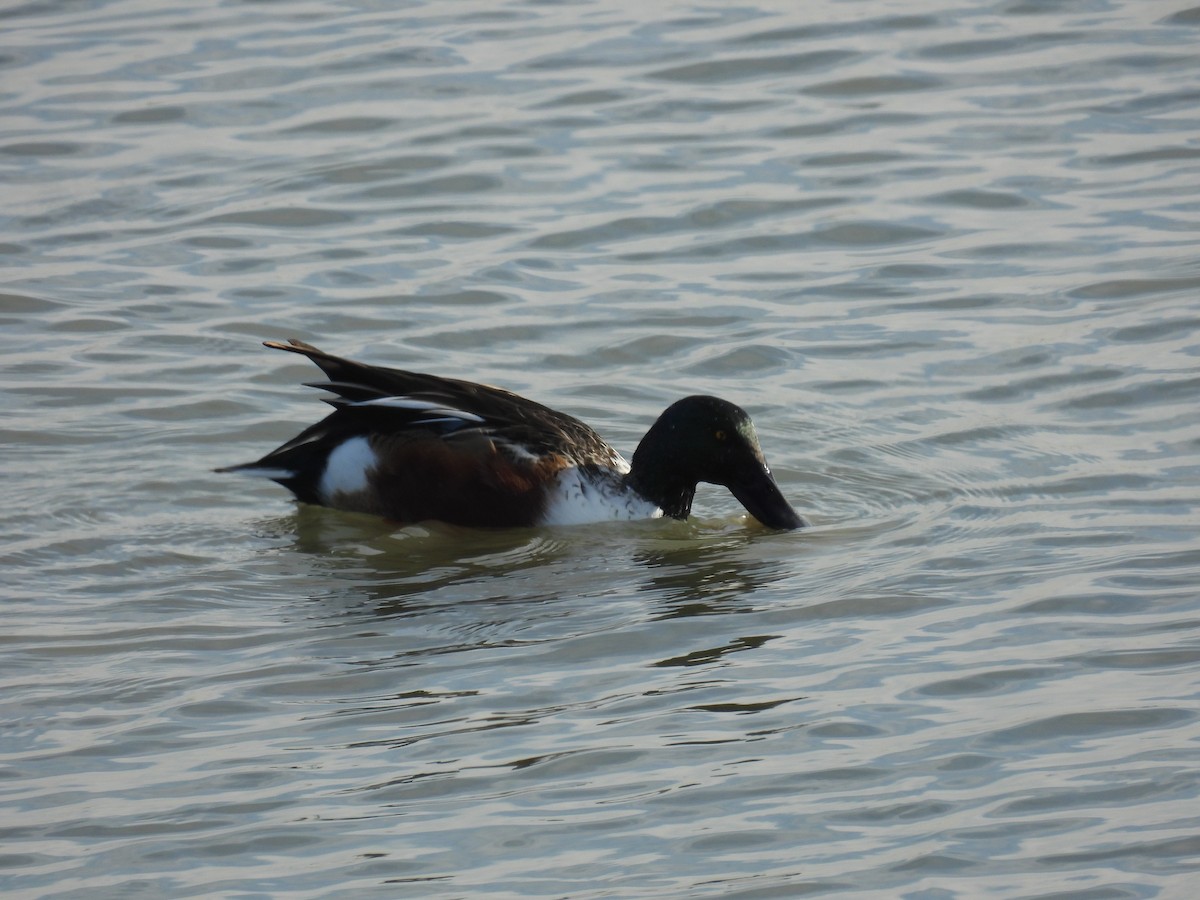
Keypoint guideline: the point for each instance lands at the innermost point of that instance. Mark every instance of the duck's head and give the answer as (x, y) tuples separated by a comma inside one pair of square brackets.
[(708, 439)]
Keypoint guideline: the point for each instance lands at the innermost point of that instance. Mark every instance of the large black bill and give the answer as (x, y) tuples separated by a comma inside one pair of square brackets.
[(763, 500)]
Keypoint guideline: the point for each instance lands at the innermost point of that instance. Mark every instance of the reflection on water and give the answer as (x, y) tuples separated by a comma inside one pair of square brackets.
[(684, 568), (946, 260)]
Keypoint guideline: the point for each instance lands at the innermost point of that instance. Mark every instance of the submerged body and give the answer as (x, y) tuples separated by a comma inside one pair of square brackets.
[(412, 447)]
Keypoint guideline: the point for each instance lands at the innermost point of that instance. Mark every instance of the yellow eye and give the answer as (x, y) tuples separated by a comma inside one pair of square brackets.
[(719, 435)]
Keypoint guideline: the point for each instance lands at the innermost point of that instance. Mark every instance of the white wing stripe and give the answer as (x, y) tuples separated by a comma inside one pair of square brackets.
[(421, 406)]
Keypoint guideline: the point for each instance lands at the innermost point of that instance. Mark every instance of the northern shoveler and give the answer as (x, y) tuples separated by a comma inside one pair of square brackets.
[(411, 447)]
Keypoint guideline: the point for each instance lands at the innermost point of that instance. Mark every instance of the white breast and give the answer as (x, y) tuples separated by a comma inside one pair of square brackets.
[(579, 499)]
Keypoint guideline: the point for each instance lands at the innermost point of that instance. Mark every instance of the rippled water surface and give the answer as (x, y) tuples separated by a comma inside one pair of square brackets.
[(946, 254)]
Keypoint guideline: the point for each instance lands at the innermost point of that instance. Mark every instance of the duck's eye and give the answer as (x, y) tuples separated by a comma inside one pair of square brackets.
[(719, 434)]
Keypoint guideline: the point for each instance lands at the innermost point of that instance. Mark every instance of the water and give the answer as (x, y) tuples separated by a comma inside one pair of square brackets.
[(945, 255)]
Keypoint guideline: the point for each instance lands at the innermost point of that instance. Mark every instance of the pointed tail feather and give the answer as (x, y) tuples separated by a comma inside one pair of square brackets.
[(255, 470)]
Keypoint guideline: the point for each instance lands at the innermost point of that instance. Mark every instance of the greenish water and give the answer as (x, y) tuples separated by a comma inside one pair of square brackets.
[(945, 256)]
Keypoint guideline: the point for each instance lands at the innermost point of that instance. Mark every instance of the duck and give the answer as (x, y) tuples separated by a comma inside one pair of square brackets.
[(411, 447)]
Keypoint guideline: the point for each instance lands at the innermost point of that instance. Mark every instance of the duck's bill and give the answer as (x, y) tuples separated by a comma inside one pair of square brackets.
[(763, 500)]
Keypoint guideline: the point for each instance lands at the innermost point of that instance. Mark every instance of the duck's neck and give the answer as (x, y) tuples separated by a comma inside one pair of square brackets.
[(655, 474)]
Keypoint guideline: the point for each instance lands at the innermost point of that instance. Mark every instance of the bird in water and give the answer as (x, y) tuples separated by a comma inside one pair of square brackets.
[(411, 447)]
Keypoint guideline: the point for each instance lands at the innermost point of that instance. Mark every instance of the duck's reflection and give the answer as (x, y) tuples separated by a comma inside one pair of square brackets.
[(683, 569)]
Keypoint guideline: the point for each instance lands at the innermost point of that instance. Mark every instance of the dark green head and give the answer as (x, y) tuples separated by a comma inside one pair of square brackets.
[(708, 439)]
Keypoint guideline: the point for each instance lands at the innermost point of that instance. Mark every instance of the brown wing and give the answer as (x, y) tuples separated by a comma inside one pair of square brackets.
[(516, 419)]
